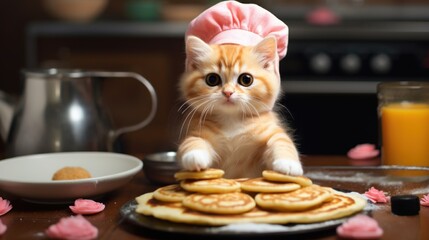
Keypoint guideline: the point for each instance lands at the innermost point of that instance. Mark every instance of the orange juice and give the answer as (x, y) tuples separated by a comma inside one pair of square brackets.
[(405, 134)]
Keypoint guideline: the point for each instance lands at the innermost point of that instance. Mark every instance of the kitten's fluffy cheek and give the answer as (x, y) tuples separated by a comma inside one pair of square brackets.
[(196, 160), (288, 166)]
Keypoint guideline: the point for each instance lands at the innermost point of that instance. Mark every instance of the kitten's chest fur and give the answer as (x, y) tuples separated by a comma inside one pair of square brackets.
[(235, 129), (240, 145)]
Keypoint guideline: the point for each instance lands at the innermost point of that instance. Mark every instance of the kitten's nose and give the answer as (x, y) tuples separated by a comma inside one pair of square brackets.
[(227, 93)]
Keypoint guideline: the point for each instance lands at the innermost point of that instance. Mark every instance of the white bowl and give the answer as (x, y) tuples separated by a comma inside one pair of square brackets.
[(29, 177)]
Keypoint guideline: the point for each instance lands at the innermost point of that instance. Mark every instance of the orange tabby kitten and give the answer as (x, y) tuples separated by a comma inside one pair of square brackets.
[(230, 91)]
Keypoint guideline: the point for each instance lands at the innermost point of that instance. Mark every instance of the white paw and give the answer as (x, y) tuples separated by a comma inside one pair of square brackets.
[(196, 160), (288, 166)]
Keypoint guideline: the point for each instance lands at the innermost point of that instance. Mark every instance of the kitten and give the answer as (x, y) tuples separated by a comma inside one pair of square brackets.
[(229, 93)]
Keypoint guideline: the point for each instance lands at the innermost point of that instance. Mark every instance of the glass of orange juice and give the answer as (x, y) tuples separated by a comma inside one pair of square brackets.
[(404, 119)]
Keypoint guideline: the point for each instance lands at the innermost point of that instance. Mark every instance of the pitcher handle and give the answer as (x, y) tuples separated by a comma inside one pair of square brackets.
[(113, 134)]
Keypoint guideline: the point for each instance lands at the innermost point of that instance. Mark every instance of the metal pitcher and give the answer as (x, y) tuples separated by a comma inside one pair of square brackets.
[(61, 110)]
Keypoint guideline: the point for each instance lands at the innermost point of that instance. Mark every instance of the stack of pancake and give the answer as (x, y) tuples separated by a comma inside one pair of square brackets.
[(205, 198)]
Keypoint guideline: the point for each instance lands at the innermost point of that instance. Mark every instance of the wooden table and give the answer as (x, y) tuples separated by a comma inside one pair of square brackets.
[(29, 221)]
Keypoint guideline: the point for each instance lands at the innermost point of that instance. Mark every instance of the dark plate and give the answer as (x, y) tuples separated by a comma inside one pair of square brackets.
[(250, 229), (394, 180)]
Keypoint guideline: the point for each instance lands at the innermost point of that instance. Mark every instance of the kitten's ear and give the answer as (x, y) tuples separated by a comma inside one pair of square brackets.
[(266, 50), (196, 51)]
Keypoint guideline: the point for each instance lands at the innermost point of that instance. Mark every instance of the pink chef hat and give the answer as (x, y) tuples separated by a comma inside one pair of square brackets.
[(236, 23)]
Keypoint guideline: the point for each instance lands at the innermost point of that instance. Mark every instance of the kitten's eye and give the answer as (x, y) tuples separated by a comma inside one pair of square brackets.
[(245, 79), (213, 79)]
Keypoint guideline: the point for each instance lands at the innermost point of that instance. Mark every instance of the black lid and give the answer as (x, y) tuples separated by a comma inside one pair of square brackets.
[(405, 205)]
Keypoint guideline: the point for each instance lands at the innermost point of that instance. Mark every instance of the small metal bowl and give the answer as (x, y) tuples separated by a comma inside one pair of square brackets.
[(159, 168)]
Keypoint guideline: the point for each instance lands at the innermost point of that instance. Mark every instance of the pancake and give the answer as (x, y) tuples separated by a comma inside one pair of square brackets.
[(209, 173), (279, 177), (217, 185), (170, 193), (341, 205), (298, 200), (148, 205), (220, 203), (262, 185)]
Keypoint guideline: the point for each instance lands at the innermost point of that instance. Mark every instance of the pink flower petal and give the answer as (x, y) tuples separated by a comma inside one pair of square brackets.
[(424, 201), (360, 227), (363, 151), (5, 206), (73, 227), (86, 206), (376, 196), (3, 228)]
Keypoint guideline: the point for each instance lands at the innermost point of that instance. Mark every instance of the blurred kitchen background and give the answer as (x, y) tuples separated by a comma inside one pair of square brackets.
[(338, 51)]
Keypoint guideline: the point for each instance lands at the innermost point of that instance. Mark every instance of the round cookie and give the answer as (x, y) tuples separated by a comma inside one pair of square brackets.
[(217, 185), (299, 200), (209, 173), (220, 203), (279, 177), (170, 193), (71, 173), (262, 185)]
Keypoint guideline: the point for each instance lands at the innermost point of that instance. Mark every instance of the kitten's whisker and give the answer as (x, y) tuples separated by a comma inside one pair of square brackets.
[(261, 102), (211, 109), (188, 119), (185, 122), (247, 111), (204, 114), (186, 105), (281, 106), (189, 103), (194, 111), (201, 114), (243, 106), (183, 105), (243, 110), (254, 109), (192, 107)]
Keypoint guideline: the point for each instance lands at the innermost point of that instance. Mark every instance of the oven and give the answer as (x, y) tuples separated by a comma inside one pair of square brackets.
[(330, 75)]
